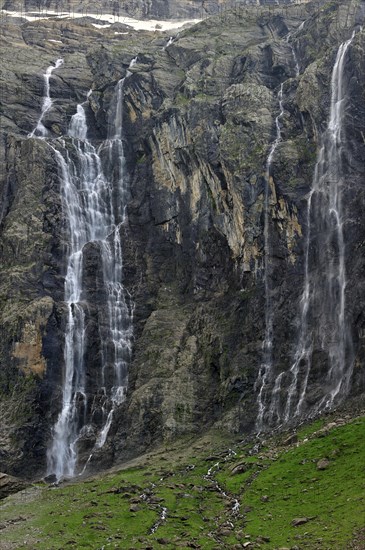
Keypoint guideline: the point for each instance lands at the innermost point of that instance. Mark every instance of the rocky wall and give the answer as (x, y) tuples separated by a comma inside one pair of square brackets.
[(199, 122)]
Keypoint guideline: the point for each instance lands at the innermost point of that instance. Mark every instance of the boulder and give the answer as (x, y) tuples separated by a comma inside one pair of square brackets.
[(323, 464), (299, 521), (10, 485)]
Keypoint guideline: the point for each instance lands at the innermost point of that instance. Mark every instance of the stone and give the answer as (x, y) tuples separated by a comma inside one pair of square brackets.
[(52, 478), (323, 464), (134, 508), (240, 468), (10, 485), (291, 439), (299, 521), (225, 532)]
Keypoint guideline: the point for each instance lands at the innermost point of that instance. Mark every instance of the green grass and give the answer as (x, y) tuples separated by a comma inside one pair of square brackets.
[(334, 498), (273, 487), (310, 429)]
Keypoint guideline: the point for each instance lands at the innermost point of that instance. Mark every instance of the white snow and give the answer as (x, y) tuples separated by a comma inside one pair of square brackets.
[(139, 25)]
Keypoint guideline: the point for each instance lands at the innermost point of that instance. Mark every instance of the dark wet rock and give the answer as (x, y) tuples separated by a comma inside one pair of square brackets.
[(50, 479)]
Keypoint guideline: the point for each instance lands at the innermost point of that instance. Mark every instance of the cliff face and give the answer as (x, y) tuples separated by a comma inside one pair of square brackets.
[(215, 248)]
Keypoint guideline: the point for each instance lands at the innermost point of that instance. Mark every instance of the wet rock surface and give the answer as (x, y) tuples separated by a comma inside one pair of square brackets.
[(199, 121)]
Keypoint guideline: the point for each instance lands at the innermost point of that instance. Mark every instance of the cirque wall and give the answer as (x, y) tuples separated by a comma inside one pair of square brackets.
[(223, 130)]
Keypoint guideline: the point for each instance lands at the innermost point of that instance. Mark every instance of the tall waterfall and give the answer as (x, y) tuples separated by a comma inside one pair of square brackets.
[(323, 294), (264, 379), (322, 306), (94, 188), (266, 365), (266, 373)]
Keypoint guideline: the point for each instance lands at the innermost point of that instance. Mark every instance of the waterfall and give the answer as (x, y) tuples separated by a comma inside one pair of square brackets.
[(40, 130), (266, 367), (323, 294), (94, 189), (168, 43), (294, 54), (322, 305), (274, 406)]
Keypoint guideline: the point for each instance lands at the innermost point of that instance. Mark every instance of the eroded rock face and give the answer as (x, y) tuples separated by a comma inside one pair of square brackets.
[(199, 122)]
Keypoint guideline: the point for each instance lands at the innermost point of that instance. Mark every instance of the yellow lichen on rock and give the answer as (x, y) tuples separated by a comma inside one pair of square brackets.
[(28, 351), (288, 224)]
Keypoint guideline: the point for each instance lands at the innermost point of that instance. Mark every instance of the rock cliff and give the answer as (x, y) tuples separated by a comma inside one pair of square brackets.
[(215, 245)]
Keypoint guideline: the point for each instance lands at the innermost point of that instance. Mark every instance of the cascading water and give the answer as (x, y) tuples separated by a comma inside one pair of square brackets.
[(40, 130), (274, 405), (265, 375), (294, 54), (323, 296), (168, 43), (265, 371), (94, 193)]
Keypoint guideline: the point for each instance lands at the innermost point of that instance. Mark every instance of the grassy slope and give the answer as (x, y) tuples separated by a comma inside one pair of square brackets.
[(275, 485)]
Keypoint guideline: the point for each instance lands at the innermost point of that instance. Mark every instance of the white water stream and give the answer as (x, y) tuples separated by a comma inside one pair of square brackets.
[(168, 43), (266, 365), (40, 130), (324, 289), (323, 293), (94, 189)]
